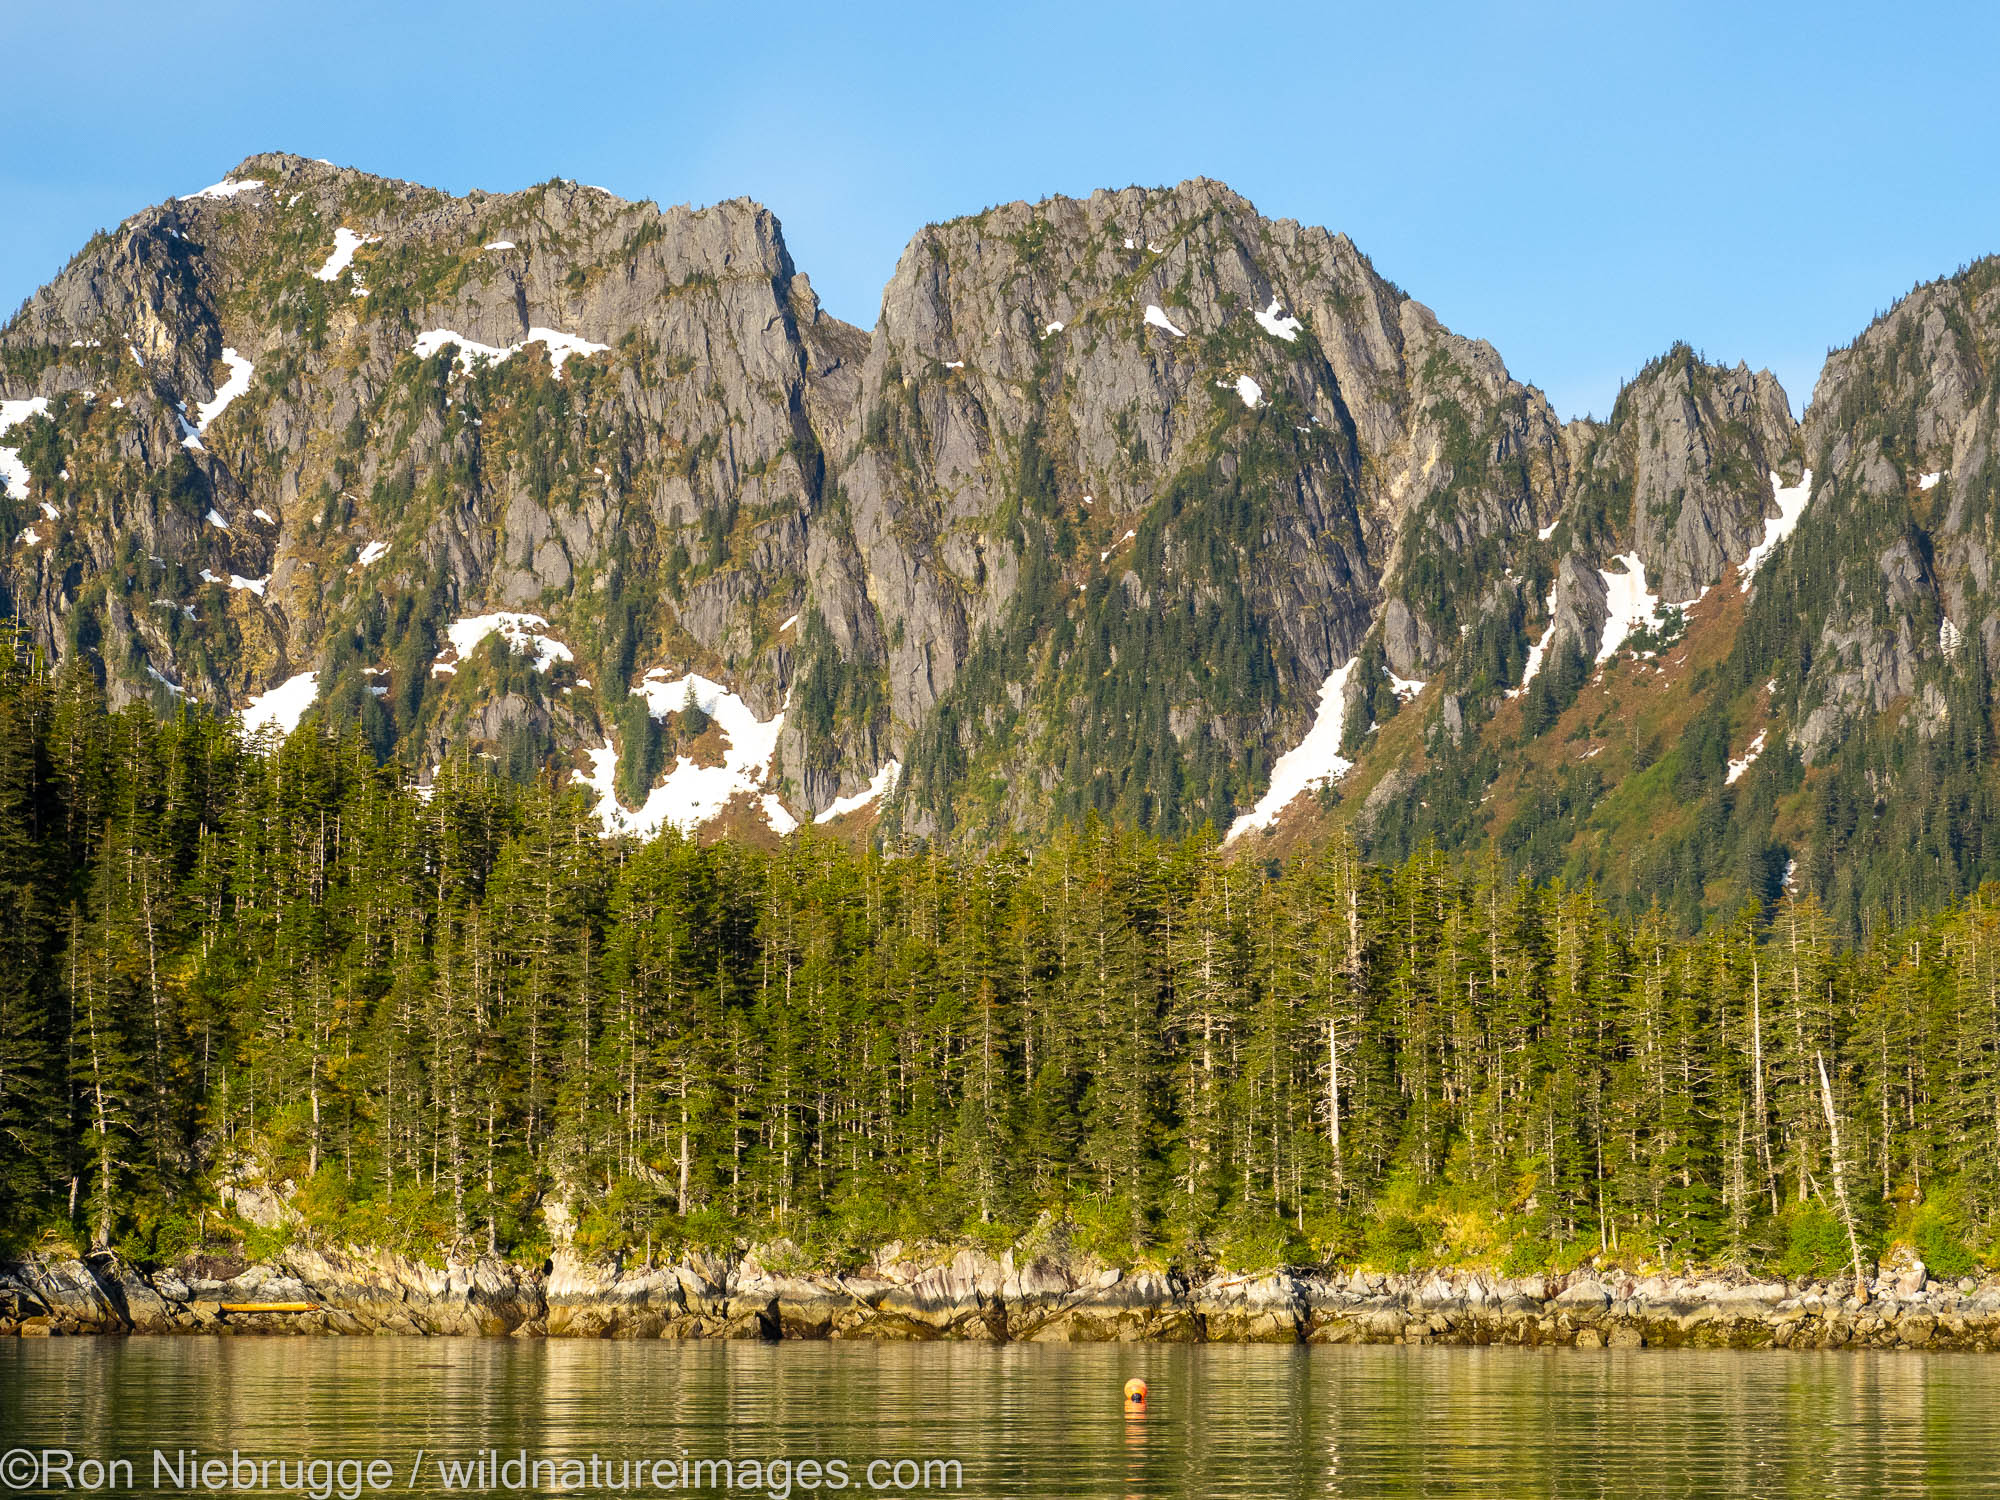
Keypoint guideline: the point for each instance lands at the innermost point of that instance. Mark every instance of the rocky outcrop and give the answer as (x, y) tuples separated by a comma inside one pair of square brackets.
[(349, 1291), (1084, 523), (1145, 447), (977, 1297), (551, 401), (1900, 439), (1682, 469)]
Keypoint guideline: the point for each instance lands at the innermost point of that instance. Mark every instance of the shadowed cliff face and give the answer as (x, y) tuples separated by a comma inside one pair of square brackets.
[(1086, 523)]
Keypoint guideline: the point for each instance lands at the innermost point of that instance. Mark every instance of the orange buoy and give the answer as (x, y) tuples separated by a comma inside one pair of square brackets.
[(1135, 1394)]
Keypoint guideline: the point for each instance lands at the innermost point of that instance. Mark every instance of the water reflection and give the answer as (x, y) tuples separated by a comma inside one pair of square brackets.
[(1036, 1421)]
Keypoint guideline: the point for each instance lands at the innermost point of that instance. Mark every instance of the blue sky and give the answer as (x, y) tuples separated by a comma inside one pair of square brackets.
[(1580, 185)]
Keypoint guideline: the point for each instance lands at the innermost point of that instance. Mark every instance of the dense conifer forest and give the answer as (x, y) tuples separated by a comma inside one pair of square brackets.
[(438, 1016)]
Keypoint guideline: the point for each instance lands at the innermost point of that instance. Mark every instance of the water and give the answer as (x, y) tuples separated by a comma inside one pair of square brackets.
[(1029, 1420)]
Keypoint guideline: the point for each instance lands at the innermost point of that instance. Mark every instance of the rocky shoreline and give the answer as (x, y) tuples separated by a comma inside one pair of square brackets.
[(978, 1297)]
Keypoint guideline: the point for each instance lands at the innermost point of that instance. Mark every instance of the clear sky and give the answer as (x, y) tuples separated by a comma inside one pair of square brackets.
[(1579, 184)]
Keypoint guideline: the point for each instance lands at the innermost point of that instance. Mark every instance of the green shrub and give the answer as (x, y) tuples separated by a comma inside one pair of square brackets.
[(1815, 1244), (1935, 1233), (1395, 1241)]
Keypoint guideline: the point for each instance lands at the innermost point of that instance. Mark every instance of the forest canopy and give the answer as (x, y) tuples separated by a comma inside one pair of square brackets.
[(436, 1014)]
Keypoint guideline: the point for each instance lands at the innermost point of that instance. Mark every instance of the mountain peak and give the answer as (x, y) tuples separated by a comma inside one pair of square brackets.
[(1125, 500)]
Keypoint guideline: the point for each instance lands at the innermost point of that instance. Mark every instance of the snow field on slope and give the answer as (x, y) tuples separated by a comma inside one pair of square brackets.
[(345, 243), (1537, 649), (1791, 505), (1629, 605), (283, 706), (560, 346), (522, 632), (879, 785), (1313, 763), (691, 795), (1278, 324), (12, 470), (1750, 754), (229, 187)]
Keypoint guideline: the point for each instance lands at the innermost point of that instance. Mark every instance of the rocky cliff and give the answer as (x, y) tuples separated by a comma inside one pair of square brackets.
[(1139, 504), (971, 1295)]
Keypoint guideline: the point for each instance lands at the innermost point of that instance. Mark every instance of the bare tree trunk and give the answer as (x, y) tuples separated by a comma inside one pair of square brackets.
[(1757, 1083), (1840, 1177), (1333, 1097)]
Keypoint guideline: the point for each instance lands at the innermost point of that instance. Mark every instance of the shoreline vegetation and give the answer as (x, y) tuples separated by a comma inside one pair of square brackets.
[(260, 1001)]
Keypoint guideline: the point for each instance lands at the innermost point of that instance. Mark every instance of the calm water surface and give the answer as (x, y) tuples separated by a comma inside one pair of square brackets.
[(1043, 1421)]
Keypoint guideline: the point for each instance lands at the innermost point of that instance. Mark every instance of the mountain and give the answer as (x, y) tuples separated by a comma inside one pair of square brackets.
[(1141, 505)]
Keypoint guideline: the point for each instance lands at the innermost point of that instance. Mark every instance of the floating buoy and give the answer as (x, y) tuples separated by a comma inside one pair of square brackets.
[(1135, 1394)]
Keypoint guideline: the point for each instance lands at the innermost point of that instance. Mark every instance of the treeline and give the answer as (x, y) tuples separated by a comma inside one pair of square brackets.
[(440, 1016)]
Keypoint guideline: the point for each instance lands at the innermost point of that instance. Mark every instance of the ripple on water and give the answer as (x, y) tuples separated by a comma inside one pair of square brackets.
[(1046, 1420)]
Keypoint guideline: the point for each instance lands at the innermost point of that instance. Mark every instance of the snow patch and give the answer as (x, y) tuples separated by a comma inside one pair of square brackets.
[(283, 706), (1052, 328), (1630, 605), (371, 553), (498, 245), (691, 795), (216, 519), (954, 364), (1929, 481), (788, 624), (1158, 318), (50, 513), (12, 470), (880, 784), (1738, 767), (560, 346), (264, 515), (1314, 763), (207, 411), (29, 537), (238, 581), (1249, 390), (1542, 534), (515, 629), (1948, 633), (229, 187), (1404, 688), (345, 243), (1278, 324), (1791, 505), (1538, 649)]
